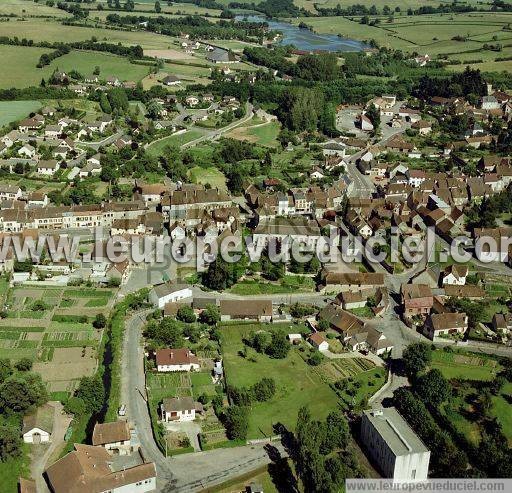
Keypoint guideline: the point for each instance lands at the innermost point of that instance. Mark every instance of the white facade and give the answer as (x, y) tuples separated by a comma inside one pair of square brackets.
[(182, 367), (36, 435), (141, 486), (395, 447), (161, 300)]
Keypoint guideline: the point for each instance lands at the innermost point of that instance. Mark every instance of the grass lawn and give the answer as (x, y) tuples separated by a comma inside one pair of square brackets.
[(289, 284), (297, 384), (11, 470), (464, 365), (502, 409), (11, 111), (21, 7), (209, 175), (264, 134), (157, 148)]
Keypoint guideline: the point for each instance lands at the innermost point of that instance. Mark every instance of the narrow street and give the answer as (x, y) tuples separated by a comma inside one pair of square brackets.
[(188, 472)]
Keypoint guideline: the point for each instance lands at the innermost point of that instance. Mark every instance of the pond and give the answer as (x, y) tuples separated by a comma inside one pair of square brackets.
[(304, 39)]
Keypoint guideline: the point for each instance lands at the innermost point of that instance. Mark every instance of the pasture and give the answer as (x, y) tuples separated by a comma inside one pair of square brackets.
[(11, 111), (57, 335), (50, 30), (431, 34), (297, 384), (28, 7)]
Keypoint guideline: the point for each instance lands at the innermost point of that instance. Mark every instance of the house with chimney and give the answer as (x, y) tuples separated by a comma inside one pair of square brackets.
[(182, 359)]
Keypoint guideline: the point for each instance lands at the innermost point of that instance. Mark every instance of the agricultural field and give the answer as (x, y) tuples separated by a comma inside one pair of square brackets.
[(50, 30), (149, 7), (30, 8), (431, 34), (289, 284), (297, 384), (466, 366), (53, 327), (11, 111)]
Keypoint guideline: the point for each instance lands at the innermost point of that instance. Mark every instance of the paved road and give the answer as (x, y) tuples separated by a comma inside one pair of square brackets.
[(211, 135), (189, 472), (105, 142)]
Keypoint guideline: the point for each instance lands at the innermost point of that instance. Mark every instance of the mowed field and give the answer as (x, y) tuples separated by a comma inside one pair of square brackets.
[(23, 72), (16, 110), (263, 134), (60, 338), (52, 30), (297, 384), (29, 7)]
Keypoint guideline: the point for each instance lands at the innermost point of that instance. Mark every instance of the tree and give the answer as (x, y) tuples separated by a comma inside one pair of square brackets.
[(165, 332), (158, 8), (416, 357), (105, 104), (264, 389), (279, 345), (373, 114), (100, 321), (76, 406), (186, 314), (210, 315), (154, 109), (236, 421), (5, 369), (433, 388), (338, 432), (316, 358), (21, 392), (10, 443), (24, 364), (92, 393)]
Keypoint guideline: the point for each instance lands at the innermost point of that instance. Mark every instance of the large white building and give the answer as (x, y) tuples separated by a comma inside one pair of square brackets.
[(394, 446), (162, 294)]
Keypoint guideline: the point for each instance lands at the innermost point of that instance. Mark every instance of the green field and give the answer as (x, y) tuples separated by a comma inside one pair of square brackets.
[(209, 175), (28, 7), (430, 34), (159, 146), (23, 72), (503, 411), (466, 366), (297, 384), (50, 30), (11, 111)]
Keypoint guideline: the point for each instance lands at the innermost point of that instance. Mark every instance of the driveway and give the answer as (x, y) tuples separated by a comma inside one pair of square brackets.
[(190, 428), (44, 455)]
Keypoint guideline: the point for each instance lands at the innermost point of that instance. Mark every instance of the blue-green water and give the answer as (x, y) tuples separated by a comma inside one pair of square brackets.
[(304, 39)]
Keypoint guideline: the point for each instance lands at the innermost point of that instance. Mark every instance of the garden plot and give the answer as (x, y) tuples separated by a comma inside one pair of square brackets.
[(334, 370), (63, 345)]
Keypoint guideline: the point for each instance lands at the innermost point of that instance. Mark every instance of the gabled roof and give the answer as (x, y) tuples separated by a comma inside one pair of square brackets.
[(105, 433)]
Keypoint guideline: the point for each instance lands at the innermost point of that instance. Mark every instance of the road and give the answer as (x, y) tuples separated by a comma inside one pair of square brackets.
[(189, 472), (211, 135)]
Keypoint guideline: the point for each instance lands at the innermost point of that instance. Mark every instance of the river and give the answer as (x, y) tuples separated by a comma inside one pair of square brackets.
[(304, 39)]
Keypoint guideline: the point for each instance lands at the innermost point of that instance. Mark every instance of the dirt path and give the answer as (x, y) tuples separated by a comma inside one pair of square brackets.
[(43, 455)]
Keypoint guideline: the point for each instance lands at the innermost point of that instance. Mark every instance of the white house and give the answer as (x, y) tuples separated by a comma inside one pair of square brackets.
[(394, 446), (318, 341), (180, 409), (38, 425), (48, 167), (366, 124), (192, 100), (27, 150), (455, 275), (176, 360), (10, 192), (162, 294)]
